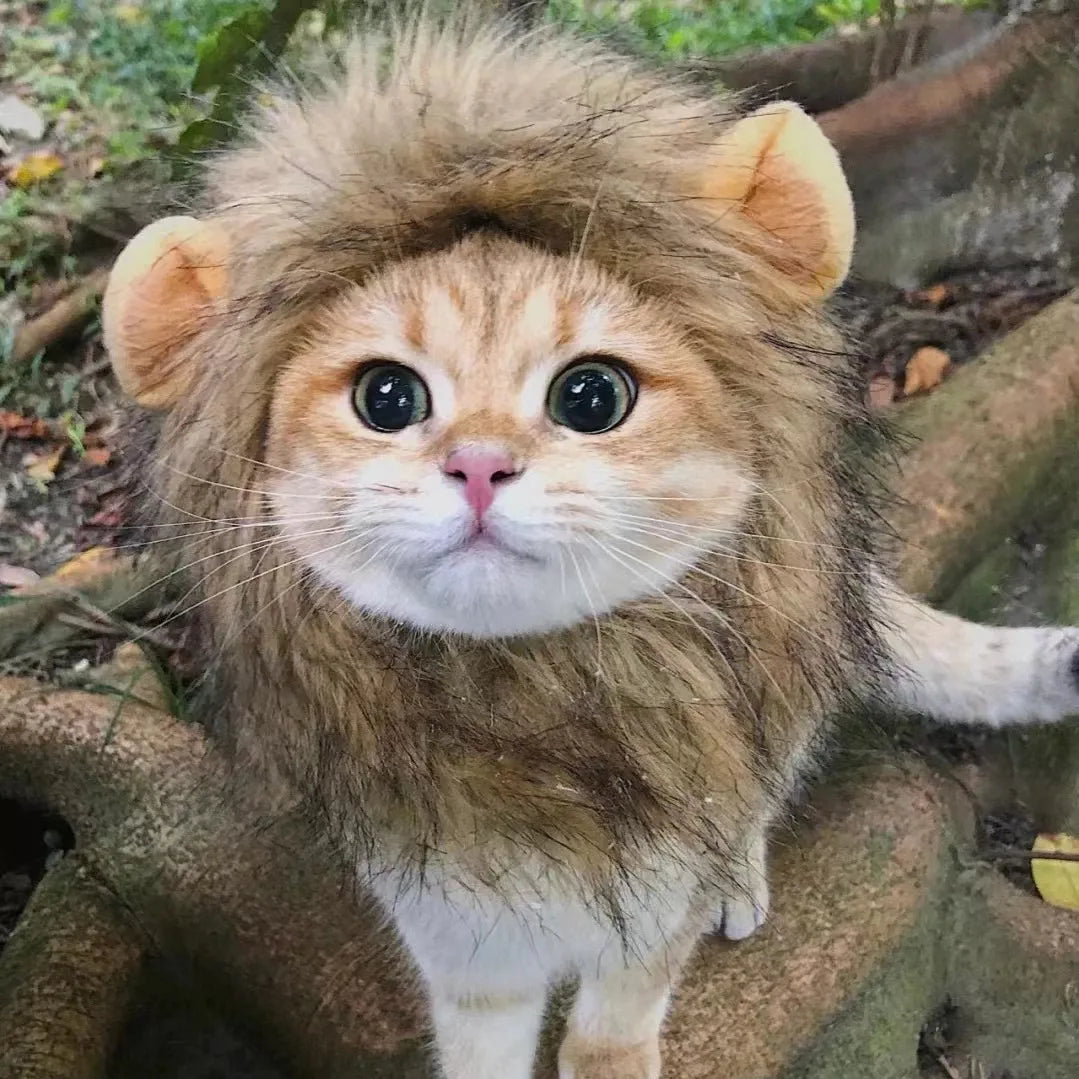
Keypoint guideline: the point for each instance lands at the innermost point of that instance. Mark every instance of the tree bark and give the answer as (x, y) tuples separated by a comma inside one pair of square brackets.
[(970, 161), (823, 75), (66, 978)]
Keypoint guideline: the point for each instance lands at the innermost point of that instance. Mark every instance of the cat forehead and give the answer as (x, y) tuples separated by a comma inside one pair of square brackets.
[(496, 300)]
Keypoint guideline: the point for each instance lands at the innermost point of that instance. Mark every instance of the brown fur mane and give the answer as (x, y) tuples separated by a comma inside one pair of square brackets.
[(584, 745)]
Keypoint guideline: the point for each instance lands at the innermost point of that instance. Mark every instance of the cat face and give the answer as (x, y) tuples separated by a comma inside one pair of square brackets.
[(493, 441)]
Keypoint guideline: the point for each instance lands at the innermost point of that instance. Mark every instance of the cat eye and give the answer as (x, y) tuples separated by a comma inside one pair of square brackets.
[(591, 396), (390, 397)]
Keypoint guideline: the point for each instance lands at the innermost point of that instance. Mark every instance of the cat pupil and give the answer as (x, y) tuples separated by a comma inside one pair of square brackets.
[(390, 400), (390, 397), (590, 400)]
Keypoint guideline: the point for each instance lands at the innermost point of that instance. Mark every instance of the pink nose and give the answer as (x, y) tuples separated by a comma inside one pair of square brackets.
[(479, 471)]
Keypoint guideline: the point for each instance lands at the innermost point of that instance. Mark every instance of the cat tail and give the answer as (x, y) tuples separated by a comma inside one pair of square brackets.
[(956, 671)]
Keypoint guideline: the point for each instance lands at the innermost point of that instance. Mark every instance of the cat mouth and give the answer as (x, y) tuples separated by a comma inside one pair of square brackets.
[(483, 542)]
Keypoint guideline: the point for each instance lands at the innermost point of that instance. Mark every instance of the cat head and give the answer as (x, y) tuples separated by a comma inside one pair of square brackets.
[(510, 427)]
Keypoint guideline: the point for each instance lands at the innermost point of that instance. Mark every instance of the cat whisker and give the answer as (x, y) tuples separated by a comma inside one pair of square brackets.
[(206, 534), (734, 588), (257, 491), (257, 576), (621, 556), (315, 479), (736, 533), (720, 549), (592, 607), (260, 544), (750, 651)]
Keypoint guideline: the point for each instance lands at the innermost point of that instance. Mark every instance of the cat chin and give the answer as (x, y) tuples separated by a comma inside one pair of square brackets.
[(496, 594)]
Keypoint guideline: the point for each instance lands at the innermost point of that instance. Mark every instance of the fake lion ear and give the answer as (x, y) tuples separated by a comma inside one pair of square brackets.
[(779, 166), (163, 289)]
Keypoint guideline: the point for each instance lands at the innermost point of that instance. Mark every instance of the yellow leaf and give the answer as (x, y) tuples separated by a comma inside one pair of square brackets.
[(43, 468), (85, 566), (1058, 881), (925, 370), (34, 168), (129, 13)]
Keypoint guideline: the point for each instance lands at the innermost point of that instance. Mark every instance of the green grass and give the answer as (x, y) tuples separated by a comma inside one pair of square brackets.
[(112, 80)]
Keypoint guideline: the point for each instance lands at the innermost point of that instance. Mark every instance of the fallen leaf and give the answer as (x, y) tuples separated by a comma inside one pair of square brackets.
[(85, 566), (43, 466), (34, 168), (129, 13), (18, 118), (16, 425), (936, 295), (97, 457), (925, 370), (131, 673), (1057, 881), (112, 517), (16, 576), (881, 391)]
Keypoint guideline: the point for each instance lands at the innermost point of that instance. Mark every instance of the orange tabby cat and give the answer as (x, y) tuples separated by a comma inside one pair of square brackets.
[(519, 481)]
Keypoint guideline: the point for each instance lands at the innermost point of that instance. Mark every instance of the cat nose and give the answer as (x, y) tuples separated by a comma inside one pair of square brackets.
[(479, 471)]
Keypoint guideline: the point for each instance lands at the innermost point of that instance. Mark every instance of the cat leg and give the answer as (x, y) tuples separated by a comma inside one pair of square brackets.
[(486, 967), (485, 1035), (941, 666), (744, 896), (614, 1026)]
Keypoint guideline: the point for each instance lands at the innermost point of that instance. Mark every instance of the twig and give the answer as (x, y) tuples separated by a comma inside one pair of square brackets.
[(62, 318), (942, 1060), (1017, 854)]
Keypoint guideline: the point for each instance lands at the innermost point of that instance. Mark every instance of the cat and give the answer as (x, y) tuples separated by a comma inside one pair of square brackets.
[(525, 496)]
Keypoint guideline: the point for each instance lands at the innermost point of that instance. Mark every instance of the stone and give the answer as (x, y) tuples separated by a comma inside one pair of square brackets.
[(18, 118)]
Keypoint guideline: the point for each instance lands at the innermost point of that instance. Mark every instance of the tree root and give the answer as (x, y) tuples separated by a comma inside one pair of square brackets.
[(66, 979), (64, 317), (243, 890)]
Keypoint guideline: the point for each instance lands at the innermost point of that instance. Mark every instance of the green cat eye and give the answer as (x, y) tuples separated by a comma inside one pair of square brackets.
[(591, 396), (390, 397)]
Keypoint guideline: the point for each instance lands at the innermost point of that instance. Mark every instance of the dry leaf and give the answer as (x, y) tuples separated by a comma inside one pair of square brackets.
[(85, 566), (881, 391), (1058, 882), (97, 457), (43, 467), (34, 168), (16, 576), (18, 426), (925, 370), (936, 295)]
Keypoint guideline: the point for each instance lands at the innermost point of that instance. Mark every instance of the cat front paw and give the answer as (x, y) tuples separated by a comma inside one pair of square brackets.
[(580, 1059), (740, 916)]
